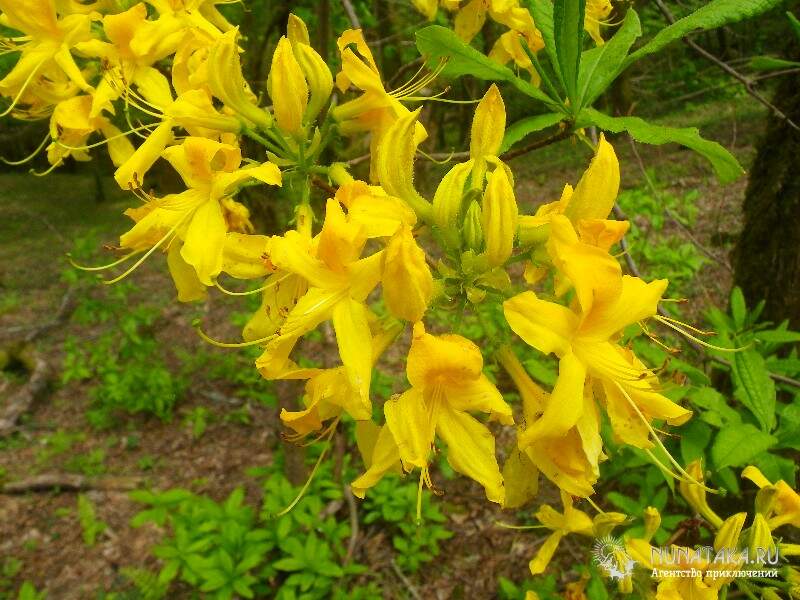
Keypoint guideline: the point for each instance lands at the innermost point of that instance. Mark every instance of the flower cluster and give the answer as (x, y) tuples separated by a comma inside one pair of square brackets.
[(385, 256)]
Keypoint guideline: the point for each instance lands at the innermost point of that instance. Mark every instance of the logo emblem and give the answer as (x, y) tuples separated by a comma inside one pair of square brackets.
[(610, 555)]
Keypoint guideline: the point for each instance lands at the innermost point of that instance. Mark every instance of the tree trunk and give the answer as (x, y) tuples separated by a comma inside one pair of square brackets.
[(767, 256)]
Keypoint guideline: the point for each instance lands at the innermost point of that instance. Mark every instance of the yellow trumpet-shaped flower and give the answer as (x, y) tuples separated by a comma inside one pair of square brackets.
[(407, 280), (584, 342), (594, 16), (447, 383), (508, 47), (71, 124), (212, 172), (786, 505), (571, 520), (472, 16), (329, 392), (587, 207), (571, 460), (45, 49), (338, 284), (376, 109)]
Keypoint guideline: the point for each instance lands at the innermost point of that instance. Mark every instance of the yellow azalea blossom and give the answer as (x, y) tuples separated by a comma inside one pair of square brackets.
[(569, 461), (571, 520), (381, 455), (338, 283), (199, 15), (376, 109), (508, 47), (695, 493), (211, 170), (135, 44), (71, 124), (595, 14), (587, 207), (786, 505), (471, 17), (447, 383), (45, 50), (407, 280), (193, 111), (584, 341), (315, 71), (499, 218), (329, 392), (288, 89)]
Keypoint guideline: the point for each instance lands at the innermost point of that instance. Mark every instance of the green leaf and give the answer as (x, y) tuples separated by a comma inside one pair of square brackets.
[(518, 130), (753, 386), (738, 308), (695, 436), (542, 11), (601, 65), (710, 16), (568, 37), (725, 165), (794, 24), (437, 43), (289, 564), (770, 63), (778, 336), (738, 444)]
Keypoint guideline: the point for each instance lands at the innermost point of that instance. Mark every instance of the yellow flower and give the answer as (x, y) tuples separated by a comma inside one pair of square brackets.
[(695, 494), (594, 16), (786, 505), (316, 72), (508, 47), (571, 520), (376, 109), (584, 342), (570, 461), (338, 284), (328, 392), (197, 216), (45, 50), (499, 218), (587, 207), (447, 382), (407, 280), (71, 124)]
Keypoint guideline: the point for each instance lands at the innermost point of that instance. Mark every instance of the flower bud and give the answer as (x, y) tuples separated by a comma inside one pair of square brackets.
[(604, 523), (760, 543), (226, 82), (499, 218), (318, 76), (473, 231), (765, 500), (296, 30), (449, 196), (287, 88), (652, 522), (695, 495), (729, 532), (488, 128), (407, 280), (596, 192)]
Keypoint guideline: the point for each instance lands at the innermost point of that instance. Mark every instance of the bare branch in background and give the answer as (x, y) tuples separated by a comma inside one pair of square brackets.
[(351, 14)]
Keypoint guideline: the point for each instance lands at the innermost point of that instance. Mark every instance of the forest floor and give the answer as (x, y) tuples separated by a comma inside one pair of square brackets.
[(41, 220)]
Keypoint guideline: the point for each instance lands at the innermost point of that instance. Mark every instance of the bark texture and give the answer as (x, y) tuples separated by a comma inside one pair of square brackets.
[(767, 256)]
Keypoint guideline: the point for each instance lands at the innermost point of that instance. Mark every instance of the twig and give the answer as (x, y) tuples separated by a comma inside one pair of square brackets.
[(634, 269), (353, 508), (351, 14), (406, 582), (64, 311), (672, 215), (23, 398), (70, 482), (747, 83), (316, 181)]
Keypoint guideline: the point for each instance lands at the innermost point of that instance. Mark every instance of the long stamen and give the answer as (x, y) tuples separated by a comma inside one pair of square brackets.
[(696, 340), (30, 157), (251, 292), (47, 171), (313, 472), (22, 89), (219, 344), (103, 267), (419, 497), (505, 525), (657, 440), (103, 141)]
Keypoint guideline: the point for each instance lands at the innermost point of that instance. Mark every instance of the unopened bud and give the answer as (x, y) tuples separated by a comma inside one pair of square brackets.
[(499, 218), (473, 230)]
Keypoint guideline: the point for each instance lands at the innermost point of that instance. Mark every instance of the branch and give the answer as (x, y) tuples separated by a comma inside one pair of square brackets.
[(70, 482), (353, 509), (22, 400), (351, 14), (64, 311), (747, 83)]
